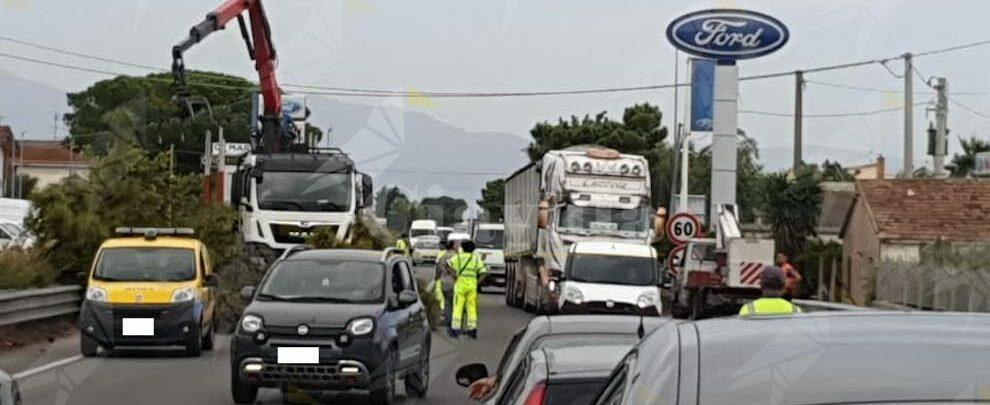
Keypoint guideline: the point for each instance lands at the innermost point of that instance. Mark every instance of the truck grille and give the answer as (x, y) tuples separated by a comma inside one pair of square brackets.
[(285, 233)]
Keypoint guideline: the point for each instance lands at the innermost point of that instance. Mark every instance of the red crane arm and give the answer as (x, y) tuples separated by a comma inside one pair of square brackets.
[(259, 46)]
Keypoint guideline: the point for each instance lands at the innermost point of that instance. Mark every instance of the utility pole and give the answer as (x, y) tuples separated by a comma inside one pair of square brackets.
[(798, 118), (908, 170), (677, 133), (941, 124)]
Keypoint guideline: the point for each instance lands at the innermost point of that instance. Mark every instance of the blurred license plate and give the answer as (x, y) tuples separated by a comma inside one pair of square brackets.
[(299, 355), (138, 327)]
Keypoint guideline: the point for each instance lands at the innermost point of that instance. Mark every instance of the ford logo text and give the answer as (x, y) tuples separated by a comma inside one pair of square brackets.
[(727, 34)]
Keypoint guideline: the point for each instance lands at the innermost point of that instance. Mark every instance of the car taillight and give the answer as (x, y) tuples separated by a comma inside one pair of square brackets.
[(535, 396)]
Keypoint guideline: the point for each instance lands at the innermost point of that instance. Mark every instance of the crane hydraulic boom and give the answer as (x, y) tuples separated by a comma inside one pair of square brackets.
[(260, 49)]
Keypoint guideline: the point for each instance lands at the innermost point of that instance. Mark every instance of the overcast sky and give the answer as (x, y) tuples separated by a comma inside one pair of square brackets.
[(507, 45)]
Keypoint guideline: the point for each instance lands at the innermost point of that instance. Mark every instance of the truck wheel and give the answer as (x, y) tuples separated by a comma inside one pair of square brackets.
[(508, 287), (698, 300), (88, 346), (241, 392)]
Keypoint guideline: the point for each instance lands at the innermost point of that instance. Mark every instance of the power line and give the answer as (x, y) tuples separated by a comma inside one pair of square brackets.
[(362, 92), (968, 108), (828, 115), (888, 91)]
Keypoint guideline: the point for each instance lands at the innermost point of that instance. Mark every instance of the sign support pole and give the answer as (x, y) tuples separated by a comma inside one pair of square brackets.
[(724, 129)]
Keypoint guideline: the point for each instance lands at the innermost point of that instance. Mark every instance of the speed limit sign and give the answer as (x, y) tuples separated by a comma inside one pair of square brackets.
[(682, 227)]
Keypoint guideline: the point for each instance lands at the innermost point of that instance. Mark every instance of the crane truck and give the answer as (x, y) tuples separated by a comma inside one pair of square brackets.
[(285, 189), (581, 193), (723, 272)]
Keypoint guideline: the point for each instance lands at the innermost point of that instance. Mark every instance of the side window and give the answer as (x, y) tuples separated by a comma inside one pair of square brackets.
[(515, 384), (397, 277), (613, 392), (407, 279)]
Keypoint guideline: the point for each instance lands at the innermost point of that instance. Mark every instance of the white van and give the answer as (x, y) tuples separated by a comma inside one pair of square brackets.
[(421, 227), (489, 240), (610, 277)]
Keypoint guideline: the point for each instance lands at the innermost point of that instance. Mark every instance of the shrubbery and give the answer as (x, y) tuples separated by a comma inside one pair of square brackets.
[(24, 269)]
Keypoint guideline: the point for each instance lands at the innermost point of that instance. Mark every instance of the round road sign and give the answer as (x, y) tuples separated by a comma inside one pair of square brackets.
[(682, 227), (675, 259)]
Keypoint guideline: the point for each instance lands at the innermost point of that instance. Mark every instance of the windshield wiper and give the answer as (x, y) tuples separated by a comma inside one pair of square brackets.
[(302, 298)]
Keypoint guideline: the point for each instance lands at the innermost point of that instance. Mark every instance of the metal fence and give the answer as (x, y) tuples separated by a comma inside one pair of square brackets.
[(933, 287), (31, 305)]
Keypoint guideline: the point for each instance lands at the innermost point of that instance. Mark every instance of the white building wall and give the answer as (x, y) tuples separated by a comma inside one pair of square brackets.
[(51, 175)]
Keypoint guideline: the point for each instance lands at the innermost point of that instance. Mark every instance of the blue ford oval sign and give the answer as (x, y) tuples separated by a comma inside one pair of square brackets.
[(725, 34)]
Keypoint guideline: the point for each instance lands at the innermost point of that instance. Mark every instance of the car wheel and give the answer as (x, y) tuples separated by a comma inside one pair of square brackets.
[(194, 347), (242, 393), (418, 380), (88, 346), (207, 343), (383, 389)]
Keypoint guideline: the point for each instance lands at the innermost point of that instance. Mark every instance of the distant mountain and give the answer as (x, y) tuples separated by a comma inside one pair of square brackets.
[(30, 106), (421, 154)]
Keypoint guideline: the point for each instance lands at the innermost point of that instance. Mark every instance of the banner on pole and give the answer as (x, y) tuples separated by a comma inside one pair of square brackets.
[(702, 94)]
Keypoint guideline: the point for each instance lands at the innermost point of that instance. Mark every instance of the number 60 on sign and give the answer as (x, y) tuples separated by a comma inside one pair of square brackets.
[(682, 227)]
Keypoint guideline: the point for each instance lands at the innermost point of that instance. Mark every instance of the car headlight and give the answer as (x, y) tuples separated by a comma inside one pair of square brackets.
[(184, 294), (573, 294), (251, 323), (96, 294), (648, 299), (360, 326)]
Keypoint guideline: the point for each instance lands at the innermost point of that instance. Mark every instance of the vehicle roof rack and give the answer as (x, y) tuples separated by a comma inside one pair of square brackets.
[(153, 233)]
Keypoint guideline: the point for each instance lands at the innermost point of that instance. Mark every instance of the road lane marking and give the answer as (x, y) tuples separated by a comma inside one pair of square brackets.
[(47, 367)]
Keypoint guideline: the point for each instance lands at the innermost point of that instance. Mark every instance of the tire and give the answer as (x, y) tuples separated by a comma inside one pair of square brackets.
[(418, 381), (383, 388), (207, 342), (241, 392), (195, 346), (88, 346), (698, 299), (508, 286)]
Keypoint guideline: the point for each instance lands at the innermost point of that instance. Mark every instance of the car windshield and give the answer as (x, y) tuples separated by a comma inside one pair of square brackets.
[(489, 238), (325, 280), (146, 264), (590, 219), (421, 232), (305, 191), (610, 269), (428, 244)]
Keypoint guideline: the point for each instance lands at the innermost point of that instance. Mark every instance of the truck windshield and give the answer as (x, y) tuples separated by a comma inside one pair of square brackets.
[(612, 269), (489, 238), (146, 264), (325, 281), (594, 220), (304, 191)]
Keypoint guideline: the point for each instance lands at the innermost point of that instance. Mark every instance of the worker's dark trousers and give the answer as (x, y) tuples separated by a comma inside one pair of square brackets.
[(448, 308)]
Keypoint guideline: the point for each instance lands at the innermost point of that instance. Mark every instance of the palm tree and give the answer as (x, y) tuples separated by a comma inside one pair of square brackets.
[(792, 206), (962, 165)]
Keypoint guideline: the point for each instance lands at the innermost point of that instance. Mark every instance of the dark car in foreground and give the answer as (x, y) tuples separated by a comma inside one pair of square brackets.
[(822, 358), (333, 320), (558, 332)]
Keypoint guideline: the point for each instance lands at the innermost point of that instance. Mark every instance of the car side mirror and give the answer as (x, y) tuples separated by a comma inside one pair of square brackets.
[(367, 189), (407, 298), (470, 373), (211, 280), (247, 293), (82, 276)]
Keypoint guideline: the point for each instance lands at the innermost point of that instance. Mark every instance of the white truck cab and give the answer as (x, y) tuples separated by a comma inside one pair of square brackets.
[(489, 240), (610, 277), (420, 228)]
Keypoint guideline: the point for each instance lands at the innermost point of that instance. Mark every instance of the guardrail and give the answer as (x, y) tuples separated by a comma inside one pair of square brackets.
[(31, 305), (820, 306)]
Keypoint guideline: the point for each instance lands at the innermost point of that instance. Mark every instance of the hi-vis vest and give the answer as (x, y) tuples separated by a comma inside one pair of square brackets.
[(467, 265), (769, 306)]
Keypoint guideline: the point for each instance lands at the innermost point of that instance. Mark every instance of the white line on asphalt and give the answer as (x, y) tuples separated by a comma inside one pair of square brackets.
[(53, 365)]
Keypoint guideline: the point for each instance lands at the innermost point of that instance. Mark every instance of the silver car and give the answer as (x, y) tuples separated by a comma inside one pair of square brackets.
[(868, 357), (566, 376)]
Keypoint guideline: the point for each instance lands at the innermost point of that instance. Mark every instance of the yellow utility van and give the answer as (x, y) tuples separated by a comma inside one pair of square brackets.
[(149, 287)]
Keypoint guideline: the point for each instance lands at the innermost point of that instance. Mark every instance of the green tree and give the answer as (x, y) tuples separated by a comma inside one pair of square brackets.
[(445, 210), (125, 188), (150, 112), (493, 199), (792, 204), (963, 165), (749, 176), (385, 198)]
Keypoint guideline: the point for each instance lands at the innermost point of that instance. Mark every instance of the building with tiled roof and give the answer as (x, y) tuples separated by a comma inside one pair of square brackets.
[(891, 220)]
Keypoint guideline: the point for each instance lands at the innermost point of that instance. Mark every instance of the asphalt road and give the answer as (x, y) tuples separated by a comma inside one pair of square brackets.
[(164, 376)]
